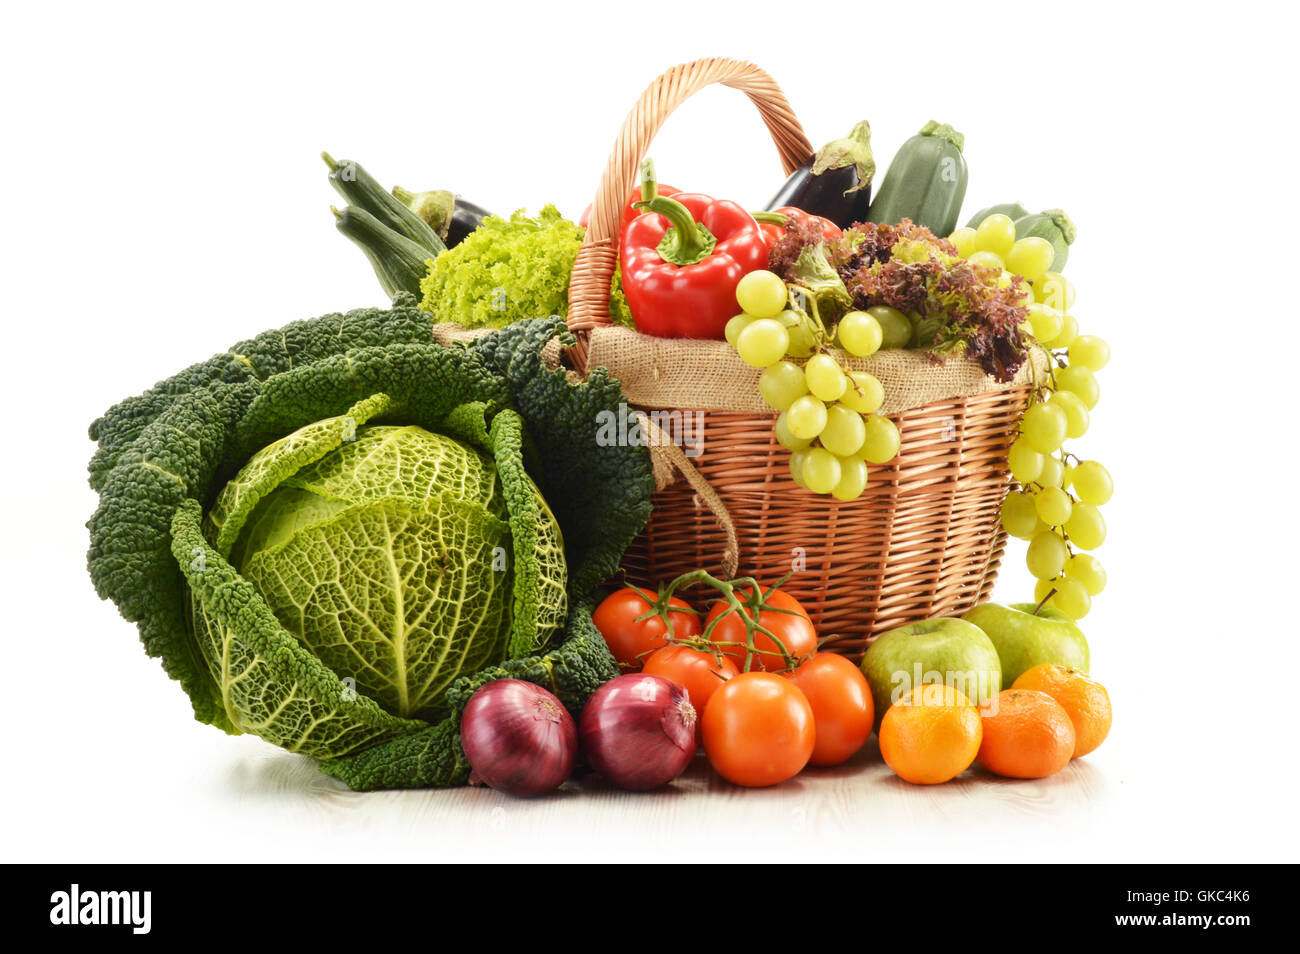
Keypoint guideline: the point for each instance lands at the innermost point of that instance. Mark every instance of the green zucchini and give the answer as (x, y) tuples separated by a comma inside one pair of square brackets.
[(1012, 210), (399, 263), (1053, 225), (361, 190), (926, 181)]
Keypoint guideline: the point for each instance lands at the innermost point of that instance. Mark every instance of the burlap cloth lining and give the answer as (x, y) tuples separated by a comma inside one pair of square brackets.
[(698, 375), (709, 375)]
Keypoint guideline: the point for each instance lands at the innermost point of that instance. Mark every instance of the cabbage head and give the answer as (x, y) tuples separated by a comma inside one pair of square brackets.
[(388, 553), (333, 534)]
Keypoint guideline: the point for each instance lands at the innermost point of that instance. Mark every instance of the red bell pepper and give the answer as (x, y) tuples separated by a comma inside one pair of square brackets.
[(681, 266), (774, 223)]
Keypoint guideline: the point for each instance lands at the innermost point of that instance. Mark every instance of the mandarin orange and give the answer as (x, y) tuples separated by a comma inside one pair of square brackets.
[(1026, 735), (1083, 698), (930, 735)]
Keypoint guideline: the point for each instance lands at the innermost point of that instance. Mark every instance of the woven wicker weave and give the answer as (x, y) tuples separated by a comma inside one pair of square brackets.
[(923, 541)]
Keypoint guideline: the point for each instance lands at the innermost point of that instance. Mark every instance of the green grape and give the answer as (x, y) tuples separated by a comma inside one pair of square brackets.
[(988, 260), (820, 470), (1055, 289), (1053, 472), (1076, 413), (895, 327), (964, 239), (853, 479), (1092, 483), (1081, 381), (1068, 479), (1031, 257), (864, 394), (844, 432), (860, 334), (1043, 427), (1086, 526), (1071, 598), (1028, 298), (1045, 323), (806, 417), (781, 383), (785, 438), (802, 338), (882, 440), (1069, 331), (1019, 515), (1053, 506), (1090, 352), (997, 234), (825, 378), (1043, 587), (1087, 569), (762, 342), (761, 294), (797, 459), (1025, 462), (735, 326), (1046, 555)]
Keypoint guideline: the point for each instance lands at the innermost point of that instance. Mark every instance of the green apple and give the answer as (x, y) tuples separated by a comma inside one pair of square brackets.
[(1025, 639), (950, 651)]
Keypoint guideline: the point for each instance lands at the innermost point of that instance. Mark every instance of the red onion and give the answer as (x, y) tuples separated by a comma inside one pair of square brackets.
[(639, 731), (519, 738)]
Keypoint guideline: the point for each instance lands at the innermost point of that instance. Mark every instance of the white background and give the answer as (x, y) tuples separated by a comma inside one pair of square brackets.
[(163, 199)]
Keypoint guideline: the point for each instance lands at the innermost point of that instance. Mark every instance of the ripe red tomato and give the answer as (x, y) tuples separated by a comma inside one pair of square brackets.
[(841, 702), (631, 642), (792, 627), (699, 673), (758, 729)]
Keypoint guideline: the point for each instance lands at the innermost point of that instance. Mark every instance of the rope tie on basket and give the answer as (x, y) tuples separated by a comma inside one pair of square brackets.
[(668, 460)]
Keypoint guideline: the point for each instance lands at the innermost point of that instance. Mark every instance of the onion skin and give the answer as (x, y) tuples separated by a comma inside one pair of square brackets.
[(518, 737), (639, 731)]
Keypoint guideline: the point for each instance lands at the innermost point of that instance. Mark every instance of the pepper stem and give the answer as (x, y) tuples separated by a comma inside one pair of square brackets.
[(686, 242), (649, 181)]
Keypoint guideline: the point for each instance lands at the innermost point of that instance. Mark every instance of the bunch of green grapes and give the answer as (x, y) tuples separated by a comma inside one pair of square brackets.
[(828, 414), (1057, 508)]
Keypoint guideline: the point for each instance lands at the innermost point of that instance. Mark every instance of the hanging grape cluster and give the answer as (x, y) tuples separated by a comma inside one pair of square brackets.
[(828, 414), (1058, 506)]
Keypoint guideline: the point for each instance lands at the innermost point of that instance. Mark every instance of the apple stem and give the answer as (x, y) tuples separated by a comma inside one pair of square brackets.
[(1044, 602)]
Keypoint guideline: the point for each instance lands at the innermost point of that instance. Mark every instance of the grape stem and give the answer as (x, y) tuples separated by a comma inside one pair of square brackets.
[(807, 295), (820, 332)]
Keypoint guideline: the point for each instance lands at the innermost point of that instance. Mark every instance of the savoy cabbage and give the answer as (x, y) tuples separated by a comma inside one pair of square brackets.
[(332, 534)]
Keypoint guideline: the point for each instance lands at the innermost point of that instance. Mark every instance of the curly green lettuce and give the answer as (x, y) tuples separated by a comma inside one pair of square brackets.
[(510, 269), (163, 457)]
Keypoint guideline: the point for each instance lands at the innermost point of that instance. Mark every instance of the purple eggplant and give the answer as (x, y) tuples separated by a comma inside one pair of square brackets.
[(450, 216), (834, 182)]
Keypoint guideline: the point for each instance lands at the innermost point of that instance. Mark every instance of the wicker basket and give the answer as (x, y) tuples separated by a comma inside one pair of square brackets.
[(923, 541)]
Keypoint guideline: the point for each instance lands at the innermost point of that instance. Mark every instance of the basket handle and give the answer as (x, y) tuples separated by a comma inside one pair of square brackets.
[(594, 268)]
